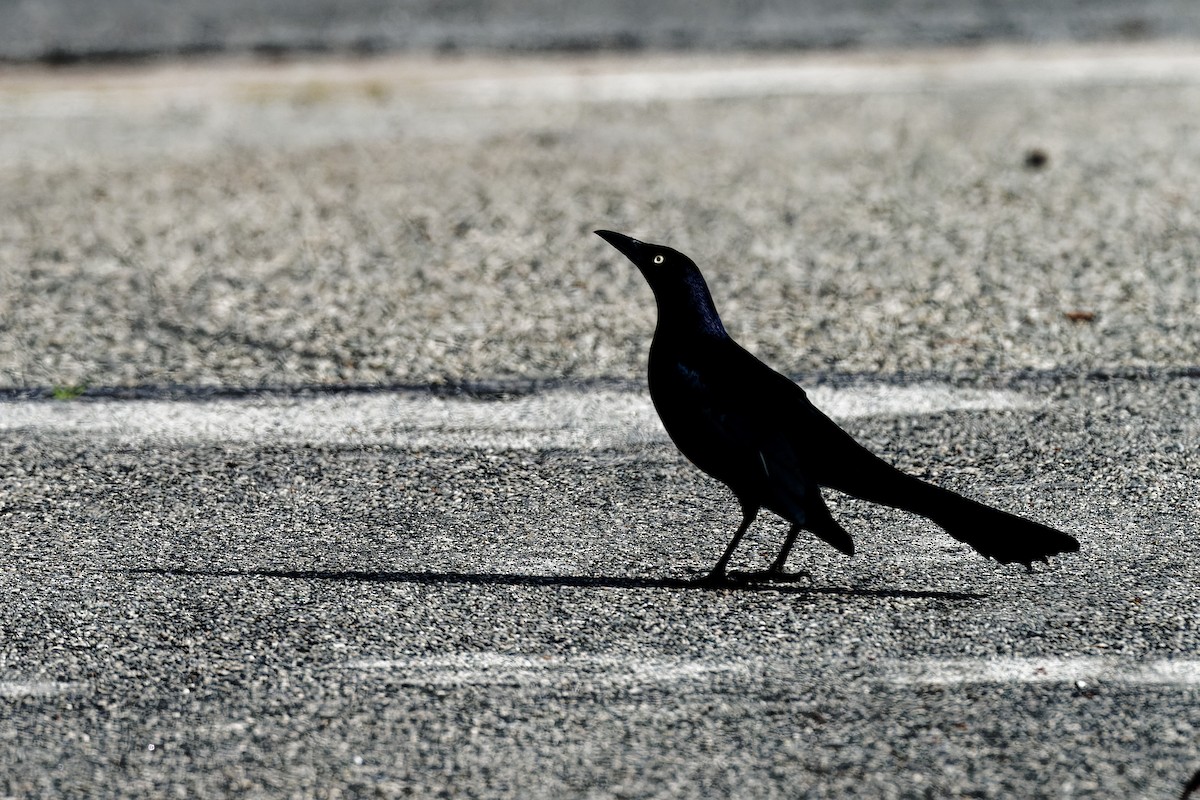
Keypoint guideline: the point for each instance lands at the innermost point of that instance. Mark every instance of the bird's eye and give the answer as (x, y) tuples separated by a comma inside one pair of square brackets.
[(658, 259)]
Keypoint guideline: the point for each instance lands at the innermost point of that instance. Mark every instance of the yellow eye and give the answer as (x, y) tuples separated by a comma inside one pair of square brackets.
[(658, 259)]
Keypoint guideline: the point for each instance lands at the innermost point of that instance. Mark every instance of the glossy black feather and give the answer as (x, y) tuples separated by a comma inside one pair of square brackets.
[(756, 431)]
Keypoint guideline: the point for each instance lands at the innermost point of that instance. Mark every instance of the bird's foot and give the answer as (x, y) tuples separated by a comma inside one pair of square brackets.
[(722, 578), (775, 575)]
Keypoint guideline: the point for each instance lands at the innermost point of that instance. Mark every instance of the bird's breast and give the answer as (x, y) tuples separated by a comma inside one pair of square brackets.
[(676, 373), (681, 388)]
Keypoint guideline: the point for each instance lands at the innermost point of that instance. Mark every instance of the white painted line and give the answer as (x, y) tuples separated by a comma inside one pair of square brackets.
[(847, 76), (493, 669), (38, 688), (1081, 671), (551, 420), (418, 82)]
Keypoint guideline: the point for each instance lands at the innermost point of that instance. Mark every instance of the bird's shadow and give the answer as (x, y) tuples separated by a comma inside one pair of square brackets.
[(572, 581)]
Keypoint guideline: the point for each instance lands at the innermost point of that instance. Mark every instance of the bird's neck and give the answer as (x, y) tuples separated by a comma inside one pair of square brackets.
[(686, 308)]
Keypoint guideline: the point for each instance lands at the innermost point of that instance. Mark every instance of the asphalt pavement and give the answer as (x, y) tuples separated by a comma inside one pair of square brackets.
[(396, 594), (327, 468), (74, 31)]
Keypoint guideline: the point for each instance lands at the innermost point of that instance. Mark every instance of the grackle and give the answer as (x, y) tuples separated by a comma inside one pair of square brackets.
[(756, 431)]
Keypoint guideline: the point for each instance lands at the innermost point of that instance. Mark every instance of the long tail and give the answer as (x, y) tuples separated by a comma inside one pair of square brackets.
[(998, 534), (851, 468), (994, 533)]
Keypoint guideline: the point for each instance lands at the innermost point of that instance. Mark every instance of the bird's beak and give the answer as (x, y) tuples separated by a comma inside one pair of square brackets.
[(630, 248)]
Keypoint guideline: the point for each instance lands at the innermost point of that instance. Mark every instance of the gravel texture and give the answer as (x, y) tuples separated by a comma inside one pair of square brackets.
[(346, 587), (422, 223), (307, 618)]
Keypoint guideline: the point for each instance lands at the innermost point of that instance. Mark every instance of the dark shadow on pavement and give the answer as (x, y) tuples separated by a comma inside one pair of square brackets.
[(574, 581), (1191, 786)]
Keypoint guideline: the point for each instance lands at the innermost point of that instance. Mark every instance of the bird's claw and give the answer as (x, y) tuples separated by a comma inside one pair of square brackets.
[(718, 579), (774, 575)]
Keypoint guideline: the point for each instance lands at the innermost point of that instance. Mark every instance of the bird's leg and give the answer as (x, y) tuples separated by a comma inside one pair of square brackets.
[(780, 561), (775, 571), (718, 572)]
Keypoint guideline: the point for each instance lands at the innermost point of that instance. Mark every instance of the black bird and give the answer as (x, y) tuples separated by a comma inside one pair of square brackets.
[(756, 431)]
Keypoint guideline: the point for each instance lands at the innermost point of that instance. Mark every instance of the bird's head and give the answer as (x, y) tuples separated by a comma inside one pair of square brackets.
[(651, 259), (678, 285)]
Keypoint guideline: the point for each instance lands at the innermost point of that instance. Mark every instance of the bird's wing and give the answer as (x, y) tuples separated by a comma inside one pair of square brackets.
[(741, 422), (799, 432), (751, 428)]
